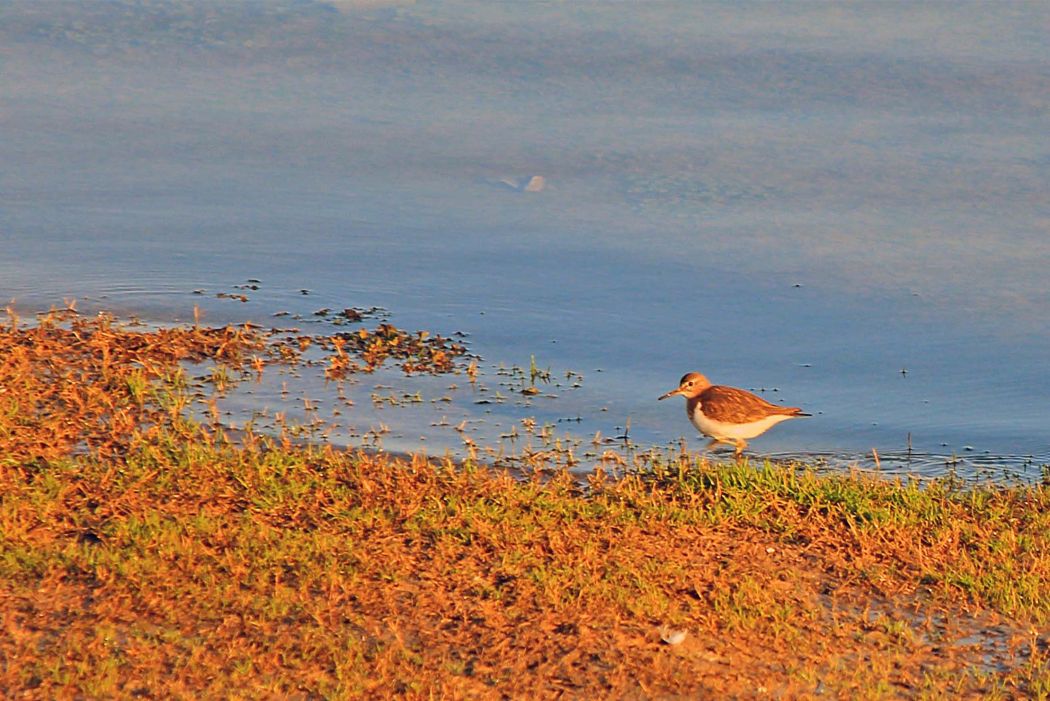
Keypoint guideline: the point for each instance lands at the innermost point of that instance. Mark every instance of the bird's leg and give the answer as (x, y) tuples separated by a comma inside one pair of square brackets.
[(740, 445), (712, 444)]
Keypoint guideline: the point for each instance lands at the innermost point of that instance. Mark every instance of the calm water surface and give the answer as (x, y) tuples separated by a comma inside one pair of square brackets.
[(843, 205)]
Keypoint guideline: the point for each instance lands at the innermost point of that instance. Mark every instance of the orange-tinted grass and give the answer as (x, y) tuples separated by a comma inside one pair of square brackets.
[(209, 569), (143, 555)]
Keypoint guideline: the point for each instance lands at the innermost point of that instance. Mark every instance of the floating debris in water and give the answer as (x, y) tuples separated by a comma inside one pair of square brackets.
[(537, 183), (417, 352)]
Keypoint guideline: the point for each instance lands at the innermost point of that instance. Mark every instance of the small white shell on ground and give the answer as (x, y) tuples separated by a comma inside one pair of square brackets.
[(671, 636)]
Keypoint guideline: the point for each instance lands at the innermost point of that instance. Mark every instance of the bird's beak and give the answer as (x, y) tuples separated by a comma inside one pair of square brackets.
[(672, 393)]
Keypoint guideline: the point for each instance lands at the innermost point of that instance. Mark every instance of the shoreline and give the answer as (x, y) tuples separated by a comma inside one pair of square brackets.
[(148, 553), (315, 371)]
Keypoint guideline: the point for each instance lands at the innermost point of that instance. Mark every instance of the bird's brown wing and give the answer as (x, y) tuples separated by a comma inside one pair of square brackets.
[(739, 406)]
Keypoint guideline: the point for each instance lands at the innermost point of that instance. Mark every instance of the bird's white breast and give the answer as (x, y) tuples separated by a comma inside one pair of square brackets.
[(732, 431)]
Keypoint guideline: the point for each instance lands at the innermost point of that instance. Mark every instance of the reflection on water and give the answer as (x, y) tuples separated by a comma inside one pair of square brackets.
[(841, 205)]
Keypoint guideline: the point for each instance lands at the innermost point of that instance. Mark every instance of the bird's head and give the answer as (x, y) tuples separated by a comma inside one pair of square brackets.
[(689, 386)]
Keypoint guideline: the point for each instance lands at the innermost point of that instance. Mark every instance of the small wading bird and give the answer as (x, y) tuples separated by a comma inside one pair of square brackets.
[(727, 414)]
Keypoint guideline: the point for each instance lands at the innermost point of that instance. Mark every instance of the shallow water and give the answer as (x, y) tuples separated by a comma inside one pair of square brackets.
[(843, 205)]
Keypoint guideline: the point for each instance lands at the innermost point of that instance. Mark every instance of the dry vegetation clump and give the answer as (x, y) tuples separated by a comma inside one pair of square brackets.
[(152, 557), (71, 384), (415, 352)]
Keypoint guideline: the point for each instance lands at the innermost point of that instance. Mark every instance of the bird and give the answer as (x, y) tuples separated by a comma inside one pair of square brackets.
[(727, 414)]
